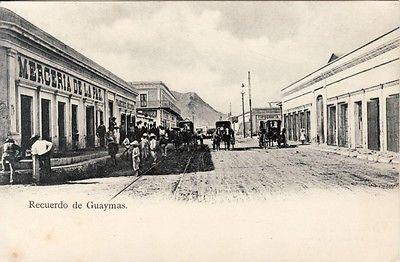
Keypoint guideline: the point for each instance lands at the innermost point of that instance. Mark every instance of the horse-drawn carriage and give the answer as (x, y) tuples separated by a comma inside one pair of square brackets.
[(186, 133), (270, 132), (223, 133)]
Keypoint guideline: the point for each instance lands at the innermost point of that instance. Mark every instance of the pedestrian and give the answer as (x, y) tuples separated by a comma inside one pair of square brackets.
[(163, 143), (126, 143), (10, 152), (283, 137), (153, 147), (302, 136), (41, 152), (113, 127), (145, 147), (113, 149), (101, 134), (135, 157)]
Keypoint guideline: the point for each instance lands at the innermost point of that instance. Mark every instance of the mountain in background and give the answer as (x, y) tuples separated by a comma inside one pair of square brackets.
[(204, 114)]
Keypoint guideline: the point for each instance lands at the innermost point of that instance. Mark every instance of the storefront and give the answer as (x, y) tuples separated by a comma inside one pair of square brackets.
[(353, 101), (53, 91)]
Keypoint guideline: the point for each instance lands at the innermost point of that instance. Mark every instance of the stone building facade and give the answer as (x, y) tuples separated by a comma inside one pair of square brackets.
[(51, 90), (353, 101), (157, 102)]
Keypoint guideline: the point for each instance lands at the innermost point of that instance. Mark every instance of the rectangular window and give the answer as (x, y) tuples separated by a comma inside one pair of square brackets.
[(143, 100)]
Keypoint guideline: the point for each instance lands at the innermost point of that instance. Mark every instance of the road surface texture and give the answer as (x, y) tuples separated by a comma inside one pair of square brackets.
[(248, 204)]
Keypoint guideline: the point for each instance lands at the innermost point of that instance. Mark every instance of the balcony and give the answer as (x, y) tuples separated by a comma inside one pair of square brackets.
[(164, 104)]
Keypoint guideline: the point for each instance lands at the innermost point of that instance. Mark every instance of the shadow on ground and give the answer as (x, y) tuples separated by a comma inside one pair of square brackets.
[(177, 162)]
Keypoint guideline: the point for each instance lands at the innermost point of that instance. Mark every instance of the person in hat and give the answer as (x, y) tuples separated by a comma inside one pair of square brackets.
[(41, 151), (145, 147), (10, 152), (135, 157), (163, 142), (101, 134), (153, 147), (126, 143), (113, 149), (113, 125)]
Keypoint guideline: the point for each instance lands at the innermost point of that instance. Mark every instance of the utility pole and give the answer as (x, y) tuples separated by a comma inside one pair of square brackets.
[(244, 123), (251, 113)]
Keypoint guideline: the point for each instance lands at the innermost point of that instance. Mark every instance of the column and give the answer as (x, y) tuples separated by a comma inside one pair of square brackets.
[(365, 120), (313, 120), (82, 122), (12, 92), (68, 124), (350, 122), (382, 119), (36, 112), (54, 118), (105, 108), (337, 122)]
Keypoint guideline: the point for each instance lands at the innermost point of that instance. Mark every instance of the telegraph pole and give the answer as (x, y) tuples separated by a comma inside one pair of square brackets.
[(251, 113), (244, 123)]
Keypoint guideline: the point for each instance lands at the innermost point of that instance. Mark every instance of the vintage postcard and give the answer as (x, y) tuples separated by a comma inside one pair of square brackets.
[(199, 131)]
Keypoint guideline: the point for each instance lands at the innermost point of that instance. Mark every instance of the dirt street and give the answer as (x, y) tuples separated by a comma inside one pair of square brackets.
[(248, 204), (247, 172), (250, 172)]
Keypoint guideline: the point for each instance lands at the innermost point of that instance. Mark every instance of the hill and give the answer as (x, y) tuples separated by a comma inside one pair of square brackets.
[(204, 114)]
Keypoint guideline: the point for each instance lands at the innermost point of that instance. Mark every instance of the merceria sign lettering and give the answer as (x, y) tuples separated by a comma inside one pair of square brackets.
[(48, 76)]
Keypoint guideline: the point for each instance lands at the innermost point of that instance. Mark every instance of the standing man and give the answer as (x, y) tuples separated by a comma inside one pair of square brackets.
[(101, 134), (10, 151), (41, 151)]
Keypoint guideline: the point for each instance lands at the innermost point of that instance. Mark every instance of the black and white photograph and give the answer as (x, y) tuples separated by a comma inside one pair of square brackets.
[(199, 131)]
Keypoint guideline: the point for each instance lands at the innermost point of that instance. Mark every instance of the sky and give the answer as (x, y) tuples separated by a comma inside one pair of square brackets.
[(208, 47)]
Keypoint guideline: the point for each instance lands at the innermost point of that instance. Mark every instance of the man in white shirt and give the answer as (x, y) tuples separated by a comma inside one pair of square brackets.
[(41, 150)]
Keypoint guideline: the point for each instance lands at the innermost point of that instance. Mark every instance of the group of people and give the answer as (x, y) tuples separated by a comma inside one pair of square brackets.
[(226, 135), (145, 144)]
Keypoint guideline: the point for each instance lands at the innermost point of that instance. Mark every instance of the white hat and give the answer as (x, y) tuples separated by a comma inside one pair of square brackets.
[(152, 135), (135, 143)]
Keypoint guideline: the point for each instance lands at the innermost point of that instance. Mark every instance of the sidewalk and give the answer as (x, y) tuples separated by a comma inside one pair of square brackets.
[(361, 153), (92, 163)]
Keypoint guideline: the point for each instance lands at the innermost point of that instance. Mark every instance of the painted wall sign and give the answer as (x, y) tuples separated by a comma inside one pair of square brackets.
[(125, 104), (53, 78)]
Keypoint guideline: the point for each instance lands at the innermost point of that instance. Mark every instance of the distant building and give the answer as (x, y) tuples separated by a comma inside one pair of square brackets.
[(271, 112), (157, 102), (49, 89), (353, 101)]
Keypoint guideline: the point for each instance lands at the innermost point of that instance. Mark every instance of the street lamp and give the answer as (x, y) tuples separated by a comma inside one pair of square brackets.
[(244, 124)]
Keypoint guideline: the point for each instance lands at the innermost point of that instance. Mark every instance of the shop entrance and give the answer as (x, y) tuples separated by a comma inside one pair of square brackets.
[(343, 126), (374, 142), (45, 106), (358, 125), (26, 121), (122, 128), (90, 126), (62, 140), (74, 126), (308, 125), (392, 123), (331, 139)]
